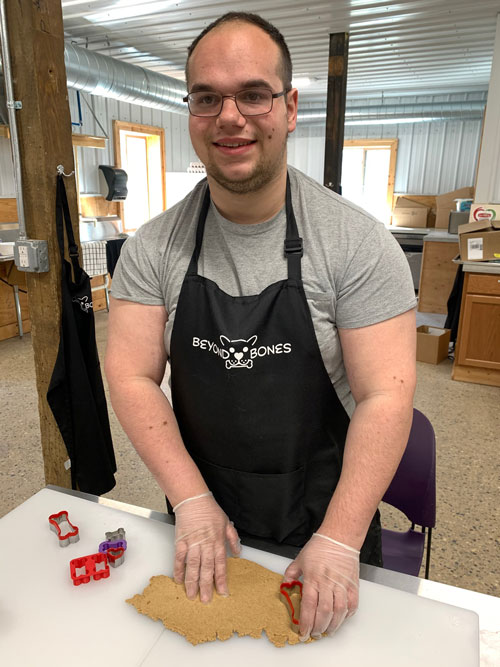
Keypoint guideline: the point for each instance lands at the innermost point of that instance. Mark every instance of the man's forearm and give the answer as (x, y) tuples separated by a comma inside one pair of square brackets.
[(376, 440), (149, 421)]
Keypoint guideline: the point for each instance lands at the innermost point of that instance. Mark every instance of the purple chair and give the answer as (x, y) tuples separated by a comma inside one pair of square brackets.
[(413, 492)]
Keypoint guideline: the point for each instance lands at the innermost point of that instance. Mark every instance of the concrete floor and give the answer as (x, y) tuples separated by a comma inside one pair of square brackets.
[(465, 545)]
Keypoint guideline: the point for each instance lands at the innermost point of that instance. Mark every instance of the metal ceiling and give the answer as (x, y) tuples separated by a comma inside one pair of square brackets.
[(396, 47)]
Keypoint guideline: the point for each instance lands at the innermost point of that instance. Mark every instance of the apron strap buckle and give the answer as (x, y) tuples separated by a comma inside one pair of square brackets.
[(294, 246)]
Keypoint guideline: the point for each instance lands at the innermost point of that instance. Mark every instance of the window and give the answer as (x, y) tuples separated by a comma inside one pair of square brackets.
[(368, 171), (140, 151)]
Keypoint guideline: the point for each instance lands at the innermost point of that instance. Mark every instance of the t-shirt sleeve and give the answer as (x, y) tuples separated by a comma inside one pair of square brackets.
[(136, 274), (377, 283)]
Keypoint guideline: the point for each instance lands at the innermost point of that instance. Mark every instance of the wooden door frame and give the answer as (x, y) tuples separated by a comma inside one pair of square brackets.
[(119, 125)]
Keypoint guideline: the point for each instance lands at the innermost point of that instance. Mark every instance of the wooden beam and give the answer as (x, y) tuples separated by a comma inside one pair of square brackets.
[(36, 40), (335, 110), (88, 141), (4, 131)]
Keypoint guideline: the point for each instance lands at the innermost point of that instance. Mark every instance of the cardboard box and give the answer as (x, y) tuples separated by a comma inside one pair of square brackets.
[(408, 213), (446, 203), (480, 240), (484, 212), (432, 344)]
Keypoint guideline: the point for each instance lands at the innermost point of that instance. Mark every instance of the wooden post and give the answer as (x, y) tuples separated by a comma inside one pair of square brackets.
[(335, 110), (36, 42)]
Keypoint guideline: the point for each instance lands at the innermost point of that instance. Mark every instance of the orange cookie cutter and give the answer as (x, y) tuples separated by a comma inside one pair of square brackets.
[(289, 590)]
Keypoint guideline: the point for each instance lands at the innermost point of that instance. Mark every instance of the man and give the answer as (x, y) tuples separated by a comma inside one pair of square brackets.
[(270, 345)]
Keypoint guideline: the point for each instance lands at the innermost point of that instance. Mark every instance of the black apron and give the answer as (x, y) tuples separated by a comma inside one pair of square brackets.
[(254, 403), (76, 393)]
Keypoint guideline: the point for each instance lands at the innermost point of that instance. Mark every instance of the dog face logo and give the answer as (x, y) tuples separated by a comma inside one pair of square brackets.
[(239, 352), (83, 302)]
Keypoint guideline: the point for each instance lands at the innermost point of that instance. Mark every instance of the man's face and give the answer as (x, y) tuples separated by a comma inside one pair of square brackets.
[(241, 153)]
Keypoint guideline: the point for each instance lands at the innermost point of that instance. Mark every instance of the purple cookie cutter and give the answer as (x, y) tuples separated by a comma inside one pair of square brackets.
[(119, 544)]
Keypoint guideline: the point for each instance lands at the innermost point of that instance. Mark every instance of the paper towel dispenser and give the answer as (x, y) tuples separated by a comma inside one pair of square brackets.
[(113, 182)]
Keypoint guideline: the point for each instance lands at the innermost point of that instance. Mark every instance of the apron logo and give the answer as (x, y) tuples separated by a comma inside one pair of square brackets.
[(240, 352), (83, 302)]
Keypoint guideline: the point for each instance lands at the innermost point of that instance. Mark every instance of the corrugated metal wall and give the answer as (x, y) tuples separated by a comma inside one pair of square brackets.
[(432, 157)]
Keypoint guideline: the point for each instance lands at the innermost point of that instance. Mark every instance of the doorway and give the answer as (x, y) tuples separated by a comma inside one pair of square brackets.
[(368, 172), (140, 151)]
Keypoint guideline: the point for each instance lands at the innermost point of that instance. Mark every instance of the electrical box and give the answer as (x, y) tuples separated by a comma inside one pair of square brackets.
[(31, 256), (113, 182)]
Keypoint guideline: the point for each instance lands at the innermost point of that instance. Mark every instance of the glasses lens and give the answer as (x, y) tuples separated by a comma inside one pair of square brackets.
[(204, 103), (254, 101)]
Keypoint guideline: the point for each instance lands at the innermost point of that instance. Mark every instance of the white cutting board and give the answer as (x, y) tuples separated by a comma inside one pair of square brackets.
[(46, 621)]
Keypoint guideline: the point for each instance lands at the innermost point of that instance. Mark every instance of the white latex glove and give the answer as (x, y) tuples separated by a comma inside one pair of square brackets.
[(330, 589), (201, 531)]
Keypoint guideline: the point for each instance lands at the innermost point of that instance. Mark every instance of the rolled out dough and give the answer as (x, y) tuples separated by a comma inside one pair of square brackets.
[(253, 606)]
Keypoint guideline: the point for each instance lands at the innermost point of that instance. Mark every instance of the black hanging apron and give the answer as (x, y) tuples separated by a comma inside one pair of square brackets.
[(254, 403), (76, 393)]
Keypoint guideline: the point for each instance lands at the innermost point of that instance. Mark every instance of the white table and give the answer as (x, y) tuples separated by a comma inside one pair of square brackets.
[(45, 620)]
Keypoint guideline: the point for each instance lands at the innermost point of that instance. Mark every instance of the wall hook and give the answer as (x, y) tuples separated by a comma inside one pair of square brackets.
[(60, 171)]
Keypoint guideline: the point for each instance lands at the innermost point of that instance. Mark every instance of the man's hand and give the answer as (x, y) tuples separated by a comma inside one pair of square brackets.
[(201, 531), (331, 584)]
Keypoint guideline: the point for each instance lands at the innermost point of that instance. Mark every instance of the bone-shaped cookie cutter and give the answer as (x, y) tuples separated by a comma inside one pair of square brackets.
[(55, 521), (119, 544), (291, 595)]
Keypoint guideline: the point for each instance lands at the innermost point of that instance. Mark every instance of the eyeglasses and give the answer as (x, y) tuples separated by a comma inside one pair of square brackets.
[(250, 102)]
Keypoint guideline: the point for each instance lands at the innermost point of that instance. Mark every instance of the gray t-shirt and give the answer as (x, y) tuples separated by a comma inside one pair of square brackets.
[(354, 273)]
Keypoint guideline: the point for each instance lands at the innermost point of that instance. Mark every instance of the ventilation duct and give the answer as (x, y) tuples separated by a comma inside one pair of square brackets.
[(95, 73), (386, 113), (98, 74)]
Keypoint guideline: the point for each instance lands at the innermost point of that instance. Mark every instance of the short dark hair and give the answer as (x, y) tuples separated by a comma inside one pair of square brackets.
[(269, 28)]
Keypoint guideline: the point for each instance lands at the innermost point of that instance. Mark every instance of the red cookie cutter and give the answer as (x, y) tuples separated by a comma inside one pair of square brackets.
[(89, 564), (287, 590), (55, 521), (115, 556)]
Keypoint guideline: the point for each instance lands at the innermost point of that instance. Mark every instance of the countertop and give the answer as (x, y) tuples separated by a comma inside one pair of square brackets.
[(427, 234), (413, 231), (81, 632), (441, 235), (479, 267)]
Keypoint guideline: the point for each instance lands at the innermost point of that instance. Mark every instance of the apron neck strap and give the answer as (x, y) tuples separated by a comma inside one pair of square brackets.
[(62, 212), (200, 228), (293, 242)]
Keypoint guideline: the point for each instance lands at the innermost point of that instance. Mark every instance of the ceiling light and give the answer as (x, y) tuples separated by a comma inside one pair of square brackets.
[(390, 121), (128, 9), (301, 81)]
